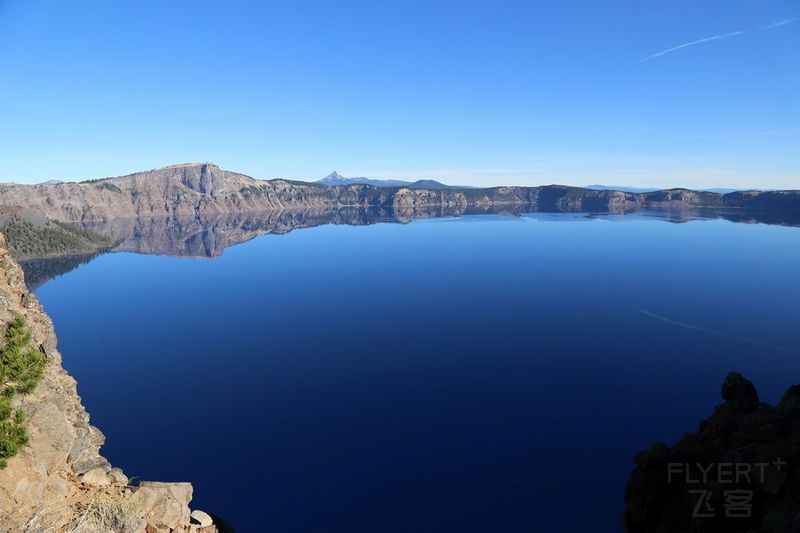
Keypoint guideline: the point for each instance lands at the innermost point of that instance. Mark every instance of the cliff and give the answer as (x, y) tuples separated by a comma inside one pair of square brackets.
[(59, 481), (740, 472), (203, 189)]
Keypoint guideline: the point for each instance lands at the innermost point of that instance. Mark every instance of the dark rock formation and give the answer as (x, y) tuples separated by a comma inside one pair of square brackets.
[(739, 394), (740, 472)]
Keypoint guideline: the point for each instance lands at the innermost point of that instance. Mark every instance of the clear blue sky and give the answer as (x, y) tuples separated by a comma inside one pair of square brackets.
[(492, 92)]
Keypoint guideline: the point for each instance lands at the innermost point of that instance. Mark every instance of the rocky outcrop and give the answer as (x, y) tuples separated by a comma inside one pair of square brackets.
[(740, 472), (203, 189), (60, 481)]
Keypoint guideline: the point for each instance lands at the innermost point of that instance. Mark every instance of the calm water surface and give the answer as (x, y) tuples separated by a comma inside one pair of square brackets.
[(485, 373)]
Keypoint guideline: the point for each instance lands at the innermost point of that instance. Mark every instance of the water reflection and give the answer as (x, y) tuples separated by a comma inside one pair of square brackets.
[(209, 236), (40, 271)]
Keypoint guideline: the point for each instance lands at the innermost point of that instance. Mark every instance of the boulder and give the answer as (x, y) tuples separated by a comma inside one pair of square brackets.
[(739, 393), (117, 477), (201, 518), (97, 477), (165, 505)]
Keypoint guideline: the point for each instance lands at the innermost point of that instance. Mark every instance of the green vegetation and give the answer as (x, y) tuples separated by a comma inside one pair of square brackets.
[(21, 366), (21, 369), (26, 238), (96, 180), (252, 191), (108, 186)]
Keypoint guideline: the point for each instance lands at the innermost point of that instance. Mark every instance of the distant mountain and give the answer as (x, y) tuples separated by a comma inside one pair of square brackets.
[(334, 178), (51, 182), (720, 190), (431, 185), (205, 190), (625, 188)]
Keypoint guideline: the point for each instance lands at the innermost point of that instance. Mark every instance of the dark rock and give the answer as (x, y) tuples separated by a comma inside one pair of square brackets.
[(771, 481), (739, 393), (790, 401), (744, 459)]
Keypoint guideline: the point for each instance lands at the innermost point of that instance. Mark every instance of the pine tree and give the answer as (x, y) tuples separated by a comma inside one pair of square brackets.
[(21, 369)]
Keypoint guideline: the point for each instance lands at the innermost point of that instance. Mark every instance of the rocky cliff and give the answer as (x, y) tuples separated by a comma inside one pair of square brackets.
[(740, 472), (59, 481), (203, 189)]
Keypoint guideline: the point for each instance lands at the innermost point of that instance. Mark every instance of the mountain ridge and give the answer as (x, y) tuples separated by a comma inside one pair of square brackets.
[(628, 188), (335, 179), (203, 189)]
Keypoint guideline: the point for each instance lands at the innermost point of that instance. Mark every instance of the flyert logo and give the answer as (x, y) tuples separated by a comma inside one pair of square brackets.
[(737, 502)]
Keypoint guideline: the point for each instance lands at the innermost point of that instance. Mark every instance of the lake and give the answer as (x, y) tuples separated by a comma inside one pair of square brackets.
[(483, 373)]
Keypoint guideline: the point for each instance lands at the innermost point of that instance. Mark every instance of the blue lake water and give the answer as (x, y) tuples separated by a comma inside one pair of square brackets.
[(473, 374)]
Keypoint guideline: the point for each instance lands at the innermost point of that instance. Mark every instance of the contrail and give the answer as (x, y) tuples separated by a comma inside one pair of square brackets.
[(779, 23), (748, 340), (718, 37), (693, 43)]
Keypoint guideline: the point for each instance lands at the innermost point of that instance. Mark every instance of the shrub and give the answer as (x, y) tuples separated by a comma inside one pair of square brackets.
[(6, 395), (13, 436), (21, 369), (113, 512)]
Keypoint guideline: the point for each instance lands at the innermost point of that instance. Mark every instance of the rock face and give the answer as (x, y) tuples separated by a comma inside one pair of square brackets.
[(59, 481), (740, 472), (166, 504), (205, 189)]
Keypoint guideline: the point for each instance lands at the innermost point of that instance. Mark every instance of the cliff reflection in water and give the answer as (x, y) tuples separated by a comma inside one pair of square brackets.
[(40, 271), (209, 236)]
